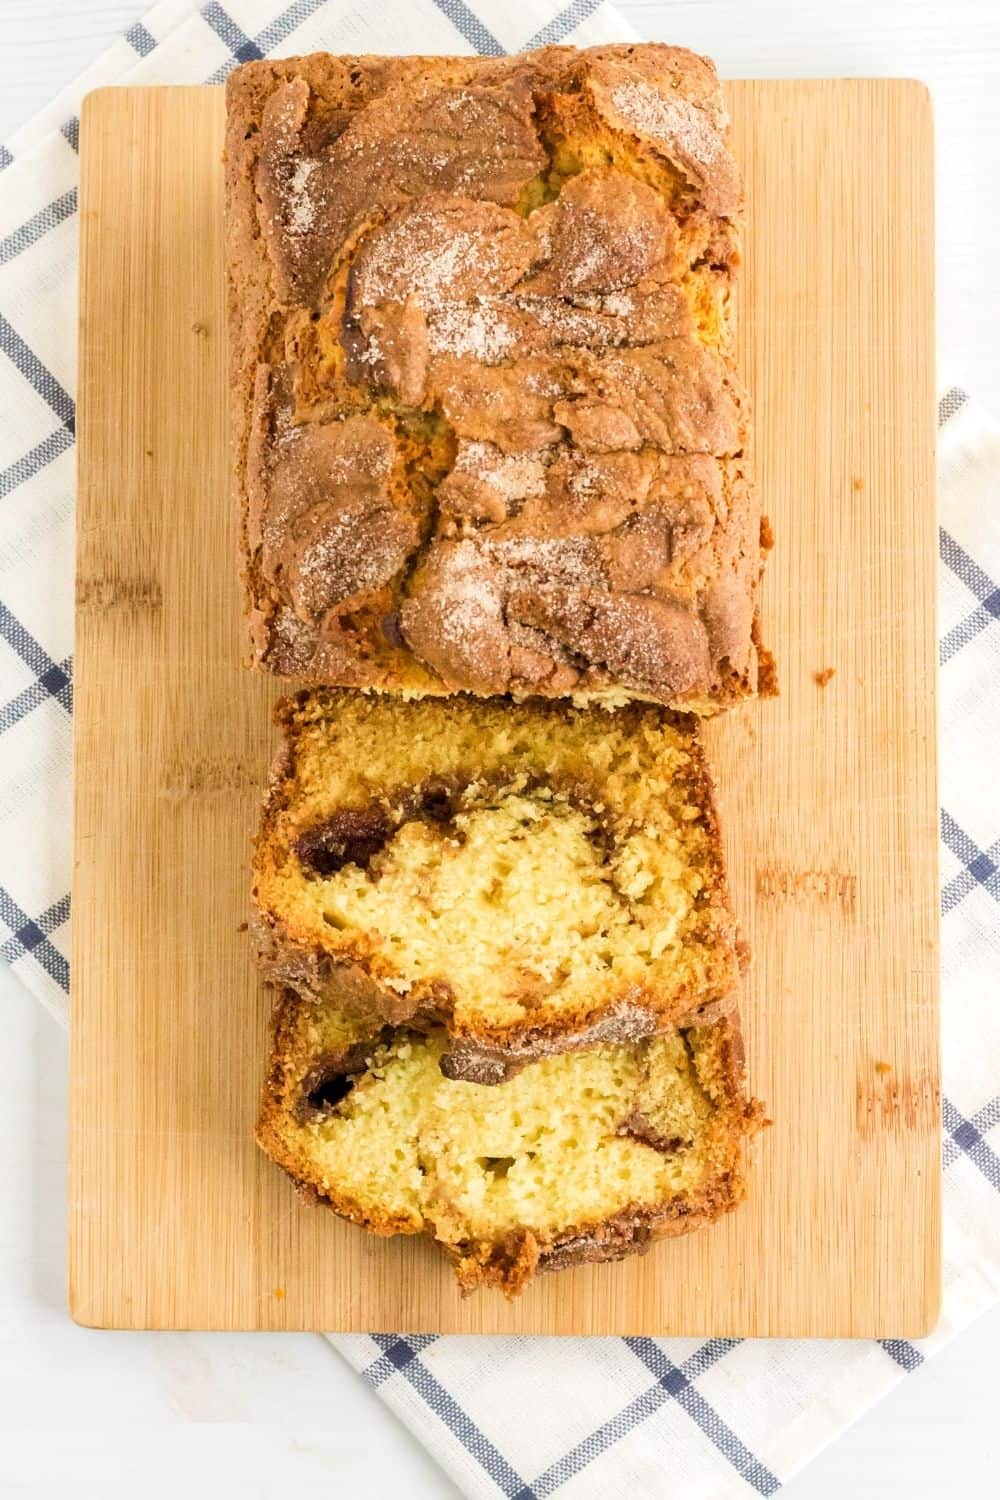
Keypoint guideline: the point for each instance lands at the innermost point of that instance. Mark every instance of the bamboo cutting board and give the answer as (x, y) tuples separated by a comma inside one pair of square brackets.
[(176, 1220)]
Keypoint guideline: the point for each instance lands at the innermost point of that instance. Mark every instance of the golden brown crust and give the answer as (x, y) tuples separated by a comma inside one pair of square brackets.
[(358, 980), (510, 1264), (510, 1261), (513, 277)]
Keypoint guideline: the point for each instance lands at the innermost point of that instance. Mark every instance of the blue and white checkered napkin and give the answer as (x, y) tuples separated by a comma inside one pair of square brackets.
[(524, 1417)]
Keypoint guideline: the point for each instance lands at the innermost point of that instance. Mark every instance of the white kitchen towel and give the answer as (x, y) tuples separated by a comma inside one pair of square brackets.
[(576, 1418)]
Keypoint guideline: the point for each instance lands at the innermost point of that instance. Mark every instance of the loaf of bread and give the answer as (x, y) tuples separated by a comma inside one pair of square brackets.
[(488, 434), (533, 877), (582, 1157)]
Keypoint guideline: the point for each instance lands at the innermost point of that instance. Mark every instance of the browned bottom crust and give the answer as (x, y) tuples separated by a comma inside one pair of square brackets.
[(510, 1264)]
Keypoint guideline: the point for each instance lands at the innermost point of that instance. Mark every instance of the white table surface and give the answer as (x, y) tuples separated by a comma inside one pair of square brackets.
[(212, 1416)]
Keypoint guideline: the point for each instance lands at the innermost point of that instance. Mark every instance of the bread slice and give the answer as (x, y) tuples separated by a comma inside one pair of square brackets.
[(535, 878), (579, 1157)]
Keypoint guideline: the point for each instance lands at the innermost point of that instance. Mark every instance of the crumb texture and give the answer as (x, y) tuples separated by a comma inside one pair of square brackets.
[(577, 1158), (518, 872), (489, 437)]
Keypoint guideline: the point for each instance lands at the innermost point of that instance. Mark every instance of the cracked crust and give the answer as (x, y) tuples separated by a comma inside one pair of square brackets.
[(290, 1123), (488, 435)]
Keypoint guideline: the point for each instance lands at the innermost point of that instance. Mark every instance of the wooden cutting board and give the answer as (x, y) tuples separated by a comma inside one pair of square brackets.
[(176, 1220)]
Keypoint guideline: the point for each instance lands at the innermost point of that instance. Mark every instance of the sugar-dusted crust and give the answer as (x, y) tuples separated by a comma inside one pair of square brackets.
[(488, 434), (348, 971), (510, 1261)]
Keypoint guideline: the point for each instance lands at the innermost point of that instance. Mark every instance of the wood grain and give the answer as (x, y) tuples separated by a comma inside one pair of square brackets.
[(175, 1218)]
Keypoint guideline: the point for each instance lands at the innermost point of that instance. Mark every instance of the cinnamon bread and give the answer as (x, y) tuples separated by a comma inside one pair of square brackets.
[(489, 436)]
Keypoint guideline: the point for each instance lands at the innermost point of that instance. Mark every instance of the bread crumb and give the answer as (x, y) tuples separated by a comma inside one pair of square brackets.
[(822, 678), (857, 483), (279, 1293), (883, 1067)]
